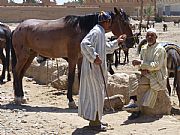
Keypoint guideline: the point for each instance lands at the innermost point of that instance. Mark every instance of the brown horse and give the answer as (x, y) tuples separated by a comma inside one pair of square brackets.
[(5, 43), (54, 39)]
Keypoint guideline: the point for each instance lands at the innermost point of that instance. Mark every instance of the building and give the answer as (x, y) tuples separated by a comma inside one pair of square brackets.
[(133, 7)]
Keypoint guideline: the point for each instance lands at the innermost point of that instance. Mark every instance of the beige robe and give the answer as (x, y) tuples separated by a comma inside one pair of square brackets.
[(154, 59)]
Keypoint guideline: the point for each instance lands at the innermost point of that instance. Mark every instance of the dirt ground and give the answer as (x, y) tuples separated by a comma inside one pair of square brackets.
[(47, 113)]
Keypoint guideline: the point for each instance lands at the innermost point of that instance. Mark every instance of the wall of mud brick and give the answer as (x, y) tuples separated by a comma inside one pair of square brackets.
[(20, 13)]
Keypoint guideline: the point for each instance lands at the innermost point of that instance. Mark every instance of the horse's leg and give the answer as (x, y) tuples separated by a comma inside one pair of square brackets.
[(79, 68), (71, 74), (111, 71), (127, 55), (2, 57), (119, 56), (24, 69), (22, 59), (168, 86), (8, 59), (116, 58), (124, 56), (174, 86), (178, 86)]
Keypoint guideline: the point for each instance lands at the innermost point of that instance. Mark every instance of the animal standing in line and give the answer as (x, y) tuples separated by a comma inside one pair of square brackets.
[(55, 39), (5, 43)]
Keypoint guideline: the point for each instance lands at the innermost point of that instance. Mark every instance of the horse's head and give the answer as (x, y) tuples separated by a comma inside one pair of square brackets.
[(121, 25)]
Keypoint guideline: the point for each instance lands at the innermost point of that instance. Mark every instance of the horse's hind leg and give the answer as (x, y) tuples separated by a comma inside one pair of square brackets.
[(79, 68), (168, 86), (8, 59), (23, 62), (71, 74), (178, 86), (2, 57)]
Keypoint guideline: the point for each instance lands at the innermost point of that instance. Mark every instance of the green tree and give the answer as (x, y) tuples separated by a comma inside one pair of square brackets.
[(149, 13), (11, 1)]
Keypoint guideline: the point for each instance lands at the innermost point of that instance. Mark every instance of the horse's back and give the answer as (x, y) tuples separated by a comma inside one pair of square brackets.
[(46, 37)]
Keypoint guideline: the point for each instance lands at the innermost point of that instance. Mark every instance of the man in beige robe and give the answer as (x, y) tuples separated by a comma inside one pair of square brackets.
[(153, 65)]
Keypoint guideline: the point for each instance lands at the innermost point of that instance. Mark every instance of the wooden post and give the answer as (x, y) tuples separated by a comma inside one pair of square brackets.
[(141, 16)]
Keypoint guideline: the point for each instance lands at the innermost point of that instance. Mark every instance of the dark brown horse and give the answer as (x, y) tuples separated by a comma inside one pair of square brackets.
[(5, 43), (54, 39)]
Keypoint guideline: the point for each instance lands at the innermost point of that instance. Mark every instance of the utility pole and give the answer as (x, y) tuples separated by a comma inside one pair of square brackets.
[(141, 15), (155, 14)]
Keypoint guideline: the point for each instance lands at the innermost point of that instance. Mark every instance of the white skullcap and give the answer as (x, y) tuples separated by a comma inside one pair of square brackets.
[(151, 30)]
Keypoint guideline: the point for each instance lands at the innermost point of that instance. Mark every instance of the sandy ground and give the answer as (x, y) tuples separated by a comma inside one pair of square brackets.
[(46, 112)]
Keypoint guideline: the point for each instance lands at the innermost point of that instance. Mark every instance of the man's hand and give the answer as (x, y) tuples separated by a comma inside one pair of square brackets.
[(97, 61), (136, 62), (144, 72), (122, 38)]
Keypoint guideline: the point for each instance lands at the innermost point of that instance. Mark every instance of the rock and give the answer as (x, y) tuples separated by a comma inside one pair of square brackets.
[(119, 84), (62, 83), (46, 72), (117, 102), (163, 103)]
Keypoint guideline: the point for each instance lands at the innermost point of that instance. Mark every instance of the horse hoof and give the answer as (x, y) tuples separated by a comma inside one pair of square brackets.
[(20, 100), (72, 105)]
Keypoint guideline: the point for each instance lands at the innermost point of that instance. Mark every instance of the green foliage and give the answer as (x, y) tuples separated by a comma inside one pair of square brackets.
[(158, 19), (149, 11), (34, 1), (79, 1), (11, 1)]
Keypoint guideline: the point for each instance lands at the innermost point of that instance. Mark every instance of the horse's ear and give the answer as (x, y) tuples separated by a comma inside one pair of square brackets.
[(116, 10)]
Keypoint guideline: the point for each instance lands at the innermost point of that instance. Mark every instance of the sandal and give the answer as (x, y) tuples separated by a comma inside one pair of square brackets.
[(99, 128)]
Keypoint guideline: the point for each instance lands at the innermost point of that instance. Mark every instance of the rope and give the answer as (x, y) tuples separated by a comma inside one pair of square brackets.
[(105, 88)]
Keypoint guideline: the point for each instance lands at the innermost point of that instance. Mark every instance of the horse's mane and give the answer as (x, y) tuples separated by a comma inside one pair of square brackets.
[(86, 22)]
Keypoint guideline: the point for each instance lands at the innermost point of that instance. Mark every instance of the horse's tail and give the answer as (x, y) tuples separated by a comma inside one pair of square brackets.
[(13, 54), (143, 42), (7, 48)]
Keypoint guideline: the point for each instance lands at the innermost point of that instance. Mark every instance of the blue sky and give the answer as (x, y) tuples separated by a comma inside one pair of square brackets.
[(59, 2)]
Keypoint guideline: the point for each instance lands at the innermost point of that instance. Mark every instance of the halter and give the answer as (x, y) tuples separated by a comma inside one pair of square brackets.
[(119, 27)]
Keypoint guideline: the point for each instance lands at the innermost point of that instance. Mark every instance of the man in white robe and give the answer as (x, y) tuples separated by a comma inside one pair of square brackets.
[(153, 65), (94, 49)]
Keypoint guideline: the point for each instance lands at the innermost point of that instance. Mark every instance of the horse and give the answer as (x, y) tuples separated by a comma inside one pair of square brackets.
[(176, 22), (117, 53), (55, 39), (173, 64), (143, 26), (5, 43), (164, 27)]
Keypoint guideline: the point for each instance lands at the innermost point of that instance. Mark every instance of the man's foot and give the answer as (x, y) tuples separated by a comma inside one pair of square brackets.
[(97, 122), (130, 107), (134, 115), (99, 128)]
